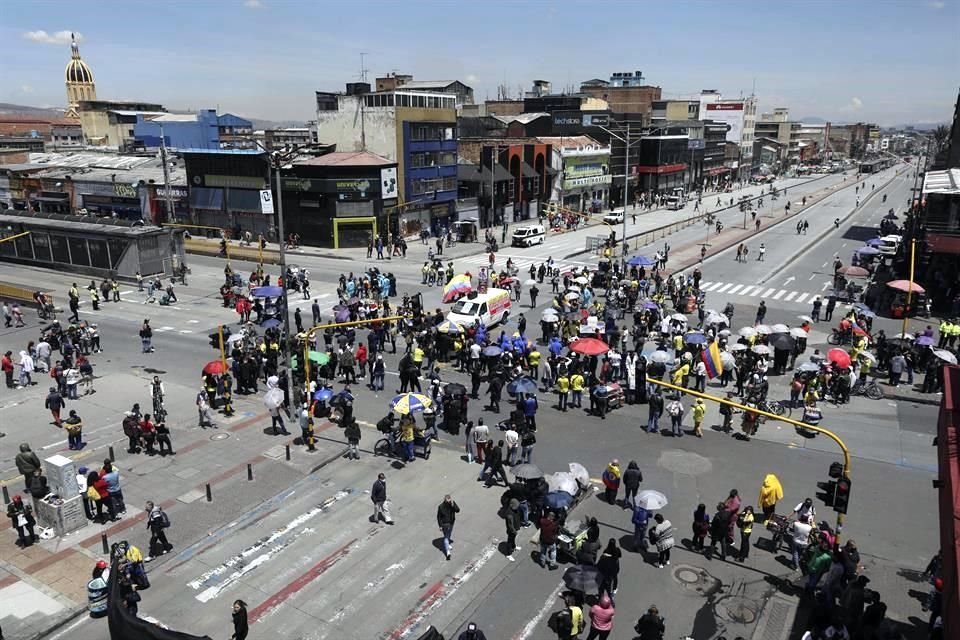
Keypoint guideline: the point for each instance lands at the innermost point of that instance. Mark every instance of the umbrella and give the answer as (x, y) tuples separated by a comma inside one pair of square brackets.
[(809, 367), (641, 261), (797, 332), (728, 359), (763, 329), (737, 346), (323, 394), (783, 342), (874, 242), (410, 402), (522, 384), (580, 473), (695, 338), (449, 326), (679, 317), (571, 295), (563, 481), (905, 285), (458, 286), (234, 337), (746, 332), (867, 251), (266, 292), (589, 346), (270, 323), (573, 288), (902, 336), (492, 351), (925, 341), (866, 355), (806, 319), (455, 389), (854, 272), (352, 301), (761, 349), (341, 313), (215, 367), (650, 304), (320, 357), (650, 500), (661, 357), (581, 280), (583, 578), (724, 333), (273, 398), (527, 471), (717, 319), (529, 283), (945, 355), (779, 328), (558, 500), (839, 357), (550, 315)]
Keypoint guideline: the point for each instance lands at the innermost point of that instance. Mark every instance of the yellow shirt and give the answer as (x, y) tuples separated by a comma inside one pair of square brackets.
[(418, 355), (563, 384), (699, 410), (406, 432), (678, 342), (533, 358), (576, 382), (680, 374)]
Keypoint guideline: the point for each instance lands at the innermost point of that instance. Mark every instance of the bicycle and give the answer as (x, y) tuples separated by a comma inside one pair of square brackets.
[(159, 411), (870, 389)]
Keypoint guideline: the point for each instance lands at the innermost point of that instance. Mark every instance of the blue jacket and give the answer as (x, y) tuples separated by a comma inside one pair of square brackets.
[(641, 517)]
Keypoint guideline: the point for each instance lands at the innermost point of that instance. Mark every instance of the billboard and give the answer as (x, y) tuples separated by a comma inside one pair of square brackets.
[(266, 201), (729, 113), (388, 183)]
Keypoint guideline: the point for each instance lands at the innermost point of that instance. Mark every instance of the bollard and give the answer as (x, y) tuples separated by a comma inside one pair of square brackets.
[(110, 454), (6, 495), (288, 452), (103, 541), (249, 472), (209, 494)]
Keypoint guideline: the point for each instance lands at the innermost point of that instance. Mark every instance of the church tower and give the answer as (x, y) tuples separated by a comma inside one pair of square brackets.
[(79, 81)]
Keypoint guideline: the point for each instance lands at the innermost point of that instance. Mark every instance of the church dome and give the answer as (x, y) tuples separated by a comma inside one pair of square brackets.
[(77, 70)]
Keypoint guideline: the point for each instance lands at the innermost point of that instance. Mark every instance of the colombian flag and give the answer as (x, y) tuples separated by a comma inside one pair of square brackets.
[(711, 358)]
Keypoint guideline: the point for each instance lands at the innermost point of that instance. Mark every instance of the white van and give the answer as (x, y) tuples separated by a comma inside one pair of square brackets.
[(889, 245), (528, 235), (487, 308)]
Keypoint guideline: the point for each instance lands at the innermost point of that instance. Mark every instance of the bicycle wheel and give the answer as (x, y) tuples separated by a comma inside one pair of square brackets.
[(874, 392), (833, 339), (382, 447), (776, 408)]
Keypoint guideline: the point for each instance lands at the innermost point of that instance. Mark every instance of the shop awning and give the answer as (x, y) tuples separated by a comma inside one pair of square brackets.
[(529, 172), (62, 198), (661, 169)]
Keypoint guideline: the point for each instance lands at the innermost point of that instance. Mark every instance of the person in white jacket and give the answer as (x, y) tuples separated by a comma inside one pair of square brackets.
[(512, 439), (72, 376), (26, 369)]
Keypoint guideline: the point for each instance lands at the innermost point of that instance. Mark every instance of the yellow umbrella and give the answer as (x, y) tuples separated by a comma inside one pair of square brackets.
[(407, 403)]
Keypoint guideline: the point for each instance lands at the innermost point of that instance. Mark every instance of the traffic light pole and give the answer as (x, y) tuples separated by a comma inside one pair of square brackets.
[(772, 416)]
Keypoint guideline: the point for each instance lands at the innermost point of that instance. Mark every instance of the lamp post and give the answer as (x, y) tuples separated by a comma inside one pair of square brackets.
[(626, 182)]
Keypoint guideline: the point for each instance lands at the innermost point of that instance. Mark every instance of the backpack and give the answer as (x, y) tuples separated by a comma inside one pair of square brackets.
[(561, 623), (164, 520)]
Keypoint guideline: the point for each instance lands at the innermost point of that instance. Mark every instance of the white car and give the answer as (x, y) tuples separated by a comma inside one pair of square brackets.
[(614, 217), (889, 245)]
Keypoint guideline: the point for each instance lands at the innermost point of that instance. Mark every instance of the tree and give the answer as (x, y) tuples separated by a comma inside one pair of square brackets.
[(941, 136)]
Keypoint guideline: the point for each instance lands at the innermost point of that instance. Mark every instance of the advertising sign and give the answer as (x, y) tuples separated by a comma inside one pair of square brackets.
[(596, 120), (266, 202), (585, 171), (388, 183), (730, 113)]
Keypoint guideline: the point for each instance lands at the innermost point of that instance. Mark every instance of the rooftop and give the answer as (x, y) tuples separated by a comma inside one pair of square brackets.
[(99, 167), (946, 182), (523, 118), (426, 84), (347, 159)]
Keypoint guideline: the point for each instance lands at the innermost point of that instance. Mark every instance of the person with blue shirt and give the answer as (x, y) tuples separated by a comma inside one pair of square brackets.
[(111, 476)]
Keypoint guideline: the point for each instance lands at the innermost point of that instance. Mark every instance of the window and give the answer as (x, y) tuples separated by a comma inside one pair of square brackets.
[(41, 246), (98, 254), (24, 247), (78, 251), (117, 249), (58, 244)]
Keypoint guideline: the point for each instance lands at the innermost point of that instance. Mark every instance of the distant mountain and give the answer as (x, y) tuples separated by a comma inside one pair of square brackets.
[(275, 124), (26, 110)]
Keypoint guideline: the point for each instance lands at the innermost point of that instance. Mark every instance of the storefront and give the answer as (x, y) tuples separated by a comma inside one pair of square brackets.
[(177, 198), (109, 199), (586, 181)]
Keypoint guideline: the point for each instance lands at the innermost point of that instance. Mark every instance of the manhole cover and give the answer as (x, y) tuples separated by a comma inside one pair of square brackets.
[(738, 609), (697, 580), (220, 436)]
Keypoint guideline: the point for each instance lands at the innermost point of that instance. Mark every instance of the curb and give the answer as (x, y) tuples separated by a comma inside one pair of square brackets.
[(69, 617), (931, 399)]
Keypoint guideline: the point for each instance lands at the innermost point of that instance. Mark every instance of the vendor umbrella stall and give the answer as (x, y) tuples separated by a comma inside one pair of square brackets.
[(589, 347), (407, 403), (906, 285)]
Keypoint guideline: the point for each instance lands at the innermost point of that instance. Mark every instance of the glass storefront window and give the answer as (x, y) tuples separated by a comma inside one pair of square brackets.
[(78, 251), (117, 249), (98, 254), (41, 246), (24, 247), (58, 244)]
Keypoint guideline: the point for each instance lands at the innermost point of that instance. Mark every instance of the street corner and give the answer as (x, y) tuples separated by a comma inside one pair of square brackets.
[(30, 608)]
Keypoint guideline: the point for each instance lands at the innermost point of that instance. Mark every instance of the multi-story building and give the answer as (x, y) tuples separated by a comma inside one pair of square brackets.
[(415, 129), (741, 116), (289, 137), (778, 126), (625, 92), (110, 123), (584, 180), (394, 81), (669, 156), (235, 132), (714, 152), (674, 110)]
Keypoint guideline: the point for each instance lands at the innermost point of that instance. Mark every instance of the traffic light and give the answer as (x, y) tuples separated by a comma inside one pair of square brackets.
[(827, 492), (841, 497), (215, 339)]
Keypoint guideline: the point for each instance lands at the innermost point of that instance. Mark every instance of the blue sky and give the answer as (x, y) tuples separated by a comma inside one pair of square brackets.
[(884, 61)]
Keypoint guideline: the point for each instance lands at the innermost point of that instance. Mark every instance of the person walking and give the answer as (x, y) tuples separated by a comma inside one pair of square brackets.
[(27, 464), (471, 633), (111, 476), (609, 566), (157, 522), (549, 528), (655, 402), (74, 426), (601, 619), (241, 626), (22, 521), (446, 517), (55, 403), (745, 523), (352, 434), (770, 493), (632, 478), (381, 507), (701, 526), (699, 411), (512, 521), (650, 626), (815, 311), (719, 529), (662, 537), (675, 409), (761, 313)]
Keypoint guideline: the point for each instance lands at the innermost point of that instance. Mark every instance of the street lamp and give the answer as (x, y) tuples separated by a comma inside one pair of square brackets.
[(626, 182)]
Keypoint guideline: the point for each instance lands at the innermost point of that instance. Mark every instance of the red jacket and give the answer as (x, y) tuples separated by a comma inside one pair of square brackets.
[(101, 487), (362, 353), (6, 365)]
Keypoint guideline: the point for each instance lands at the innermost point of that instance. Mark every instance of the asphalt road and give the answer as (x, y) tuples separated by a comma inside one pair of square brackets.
[(300, 550)]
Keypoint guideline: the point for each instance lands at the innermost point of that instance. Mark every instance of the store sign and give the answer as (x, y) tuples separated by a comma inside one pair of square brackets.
[(353, 186), (124, 190), (696, 144), (588, 181), (301, 184), (234, 182), (388, 183), (176, 193), (567, 120), (596, 120), (266, 202)]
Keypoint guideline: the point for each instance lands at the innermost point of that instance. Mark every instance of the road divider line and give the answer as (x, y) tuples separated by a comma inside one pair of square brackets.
[(548, 604)]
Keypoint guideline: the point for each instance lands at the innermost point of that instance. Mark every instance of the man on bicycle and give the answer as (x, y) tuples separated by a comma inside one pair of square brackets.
[(157, 392)]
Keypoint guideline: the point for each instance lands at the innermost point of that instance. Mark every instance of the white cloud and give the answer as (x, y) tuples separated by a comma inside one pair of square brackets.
[(937, 4), (58, 38), (253, 4), (856, 103), (472, 78), (26, 89)]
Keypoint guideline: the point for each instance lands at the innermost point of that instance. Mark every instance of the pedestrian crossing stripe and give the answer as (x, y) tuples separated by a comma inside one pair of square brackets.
[(757, 291), (523, 264)]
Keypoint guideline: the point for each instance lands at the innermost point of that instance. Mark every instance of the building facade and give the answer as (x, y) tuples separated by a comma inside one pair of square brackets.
[(741, 116), (584, 179), (111, 123), (79, 80), (415, 129), (225, 186), (625, 92)]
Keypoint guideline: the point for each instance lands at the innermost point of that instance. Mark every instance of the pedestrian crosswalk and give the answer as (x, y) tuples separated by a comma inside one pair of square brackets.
[(763, 292), (522, 262)]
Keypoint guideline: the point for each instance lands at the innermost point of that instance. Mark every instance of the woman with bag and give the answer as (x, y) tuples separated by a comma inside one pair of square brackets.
[(662, 536), (701, 526)]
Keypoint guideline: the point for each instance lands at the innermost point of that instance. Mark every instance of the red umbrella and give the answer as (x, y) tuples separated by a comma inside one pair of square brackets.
[(214, 367), (854, 272), (904, 285), (589, 346), (839, 357)]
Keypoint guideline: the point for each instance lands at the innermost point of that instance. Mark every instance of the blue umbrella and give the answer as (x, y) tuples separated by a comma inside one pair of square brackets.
[(695, 338), (522, 384), (864, 310), (492, 351), (867, 251), (323, 394), (270, 323), (925, 341), (266, 292), (874, 242), (640, 261), (650, 304)]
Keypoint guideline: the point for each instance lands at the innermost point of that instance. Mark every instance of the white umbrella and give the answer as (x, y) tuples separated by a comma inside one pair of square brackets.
[(945, 355), (866, 355), (650, 500), (581, 280), (717, 319), (550, 315), (728, 359), (530, 282), (746, 332), (779, 328), (661, 357), (903, 336), (273, 398), (723, 332), (761, 349), (234, 337), (580, 473), (806, 319), (562, 481), (763, 329), (737, 346), (679, 317), (572, 295), (797, 332), (573, 288)]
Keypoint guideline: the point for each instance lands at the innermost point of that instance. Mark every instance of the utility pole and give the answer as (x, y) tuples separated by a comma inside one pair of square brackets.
[(166, 177)]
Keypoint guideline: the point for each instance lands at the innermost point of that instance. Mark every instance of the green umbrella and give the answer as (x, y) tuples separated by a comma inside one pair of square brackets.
[(319, 357)]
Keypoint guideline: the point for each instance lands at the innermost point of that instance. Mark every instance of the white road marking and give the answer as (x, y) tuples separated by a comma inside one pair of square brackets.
[(725, 287), (735, 289), (801, 297), (766, 294), (755, 293), (790, 296), (715, 286), (812, 277), (70, 627), (779, 294), (185, 331), (548, 604), (789, 280), (825, 286)]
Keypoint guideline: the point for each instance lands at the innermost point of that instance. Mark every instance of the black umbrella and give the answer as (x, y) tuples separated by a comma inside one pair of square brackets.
[(782, 342), (583, 578), (455, 389)]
